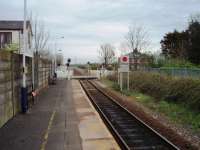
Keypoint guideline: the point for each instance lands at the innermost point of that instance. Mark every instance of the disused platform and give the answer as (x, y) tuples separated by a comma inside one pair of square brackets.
[(62, 119)]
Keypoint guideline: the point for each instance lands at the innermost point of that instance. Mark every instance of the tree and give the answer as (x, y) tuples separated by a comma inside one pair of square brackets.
[(137, 40), (41, 37), (194, 40), (184, 45), (40, 44), (12, 47), (107, 53), (194, 18), (174, 45)]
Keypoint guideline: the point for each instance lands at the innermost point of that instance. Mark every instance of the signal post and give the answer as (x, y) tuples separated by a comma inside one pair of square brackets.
[(123, 69)]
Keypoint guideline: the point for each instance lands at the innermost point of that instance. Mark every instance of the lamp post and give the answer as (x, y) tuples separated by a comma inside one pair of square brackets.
[(58, 57), (24, 98), (55, 51)]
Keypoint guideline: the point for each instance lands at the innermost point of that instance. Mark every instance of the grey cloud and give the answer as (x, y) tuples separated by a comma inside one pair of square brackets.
[(80, 21)]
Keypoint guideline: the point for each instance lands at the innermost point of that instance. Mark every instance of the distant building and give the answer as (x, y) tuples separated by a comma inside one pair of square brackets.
[(11, 32), (142, 60)]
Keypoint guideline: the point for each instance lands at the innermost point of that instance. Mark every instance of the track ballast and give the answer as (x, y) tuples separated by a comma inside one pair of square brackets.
[(130, 132)]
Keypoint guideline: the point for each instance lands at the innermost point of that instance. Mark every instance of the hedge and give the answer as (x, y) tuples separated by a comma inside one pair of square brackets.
[(178, 90)]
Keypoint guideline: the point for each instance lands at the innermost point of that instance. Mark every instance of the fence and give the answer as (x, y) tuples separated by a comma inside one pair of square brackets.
[(11, 79), (101, 73), (44, 73), (179, 72)]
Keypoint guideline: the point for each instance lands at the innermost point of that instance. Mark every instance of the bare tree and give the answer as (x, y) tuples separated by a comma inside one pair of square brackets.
[(40, 44), (137, 41), (107, 53), (41, 37), (137, 38)]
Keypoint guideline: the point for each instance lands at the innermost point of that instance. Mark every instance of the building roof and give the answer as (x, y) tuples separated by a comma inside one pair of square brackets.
[(12, 25)]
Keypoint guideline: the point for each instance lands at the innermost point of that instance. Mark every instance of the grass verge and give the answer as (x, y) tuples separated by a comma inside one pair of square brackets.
[(177, 113)]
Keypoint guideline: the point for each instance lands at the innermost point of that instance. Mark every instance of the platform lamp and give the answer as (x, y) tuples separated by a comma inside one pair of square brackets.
[(55, 52), (24, 90)]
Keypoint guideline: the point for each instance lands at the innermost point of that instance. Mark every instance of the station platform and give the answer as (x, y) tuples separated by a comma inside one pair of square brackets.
[(62, 119)]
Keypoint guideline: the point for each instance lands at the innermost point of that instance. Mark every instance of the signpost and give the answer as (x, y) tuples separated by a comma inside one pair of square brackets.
[(123, 69)]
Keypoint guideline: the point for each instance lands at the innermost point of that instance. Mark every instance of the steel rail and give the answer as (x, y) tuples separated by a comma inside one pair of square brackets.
[(119, 137)]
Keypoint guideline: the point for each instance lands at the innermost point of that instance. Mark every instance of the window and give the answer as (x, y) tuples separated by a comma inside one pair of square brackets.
[(5, 38)]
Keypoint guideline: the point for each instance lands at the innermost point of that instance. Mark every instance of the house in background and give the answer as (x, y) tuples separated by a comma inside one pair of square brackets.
[(141, 60), (11, 32)]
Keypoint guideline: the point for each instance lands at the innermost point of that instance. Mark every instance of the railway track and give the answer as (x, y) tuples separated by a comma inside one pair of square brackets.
[(129, 131)]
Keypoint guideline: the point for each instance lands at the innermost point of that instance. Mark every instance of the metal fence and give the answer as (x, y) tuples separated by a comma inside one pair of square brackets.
[(179, 72)]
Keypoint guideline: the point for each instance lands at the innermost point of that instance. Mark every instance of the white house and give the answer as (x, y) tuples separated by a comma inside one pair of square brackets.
[(11, 32)]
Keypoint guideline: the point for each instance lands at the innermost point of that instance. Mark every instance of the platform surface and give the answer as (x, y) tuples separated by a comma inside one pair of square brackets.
[(61, 119), (93, 132)]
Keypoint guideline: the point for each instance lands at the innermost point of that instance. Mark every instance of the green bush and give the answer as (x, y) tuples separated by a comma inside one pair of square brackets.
[(116, 87), (12, 47), (176, 90), (178, 63), (93, 66)]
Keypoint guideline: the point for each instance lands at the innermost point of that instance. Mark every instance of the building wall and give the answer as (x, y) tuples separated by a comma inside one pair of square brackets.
[(6, 103), (17, 38), (15, 35)]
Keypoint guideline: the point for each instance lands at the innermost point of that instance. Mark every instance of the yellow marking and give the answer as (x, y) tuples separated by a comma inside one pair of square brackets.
[(47, 131)]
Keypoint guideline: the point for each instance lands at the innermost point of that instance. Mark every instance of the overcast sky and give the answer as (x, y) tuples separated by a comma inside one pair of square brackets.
[(86, 24)]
